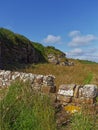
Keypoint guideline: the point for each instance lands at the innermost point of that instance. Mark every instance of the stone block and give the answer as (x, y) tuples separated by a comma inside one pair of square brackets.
[(45, 89), (90, 91), (76, 100), (83, 100), (0, 82), (48, 89), (67, 90), (76, 91), (63, 98)]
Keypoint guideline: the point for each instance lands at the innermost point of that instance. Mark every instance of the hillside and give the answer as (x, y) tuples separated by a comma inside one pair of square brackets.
[(22, 108), (17, 51)]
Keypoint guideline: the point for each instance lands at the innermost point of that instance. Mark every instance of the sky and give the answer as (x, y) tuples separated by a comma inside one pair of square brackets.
[(68, 25)]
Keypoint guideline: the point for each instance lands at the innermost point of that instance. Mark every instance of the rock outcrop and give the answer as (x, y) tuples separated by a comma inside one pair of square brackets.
[(17, 50), (59, 59)]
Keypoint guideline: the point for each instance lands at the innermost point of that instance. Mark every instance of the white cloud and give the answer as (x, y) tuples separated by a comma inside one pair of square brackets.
[(74, 33), (80, 40), (76, 51), (85, 54), (52, 39)]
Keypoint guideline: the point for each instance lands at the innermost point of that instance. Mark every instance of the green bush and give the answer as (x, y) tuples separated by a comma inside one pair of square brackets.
[(23, 109)]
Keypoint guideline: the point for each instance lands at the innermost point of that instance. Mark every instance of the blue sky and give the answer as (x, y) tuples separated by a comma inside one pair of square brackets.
[(69, 25)]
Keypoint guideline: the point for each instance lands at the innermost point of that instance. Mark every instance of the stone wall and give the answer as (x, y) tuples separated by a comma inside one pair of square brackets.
[(78, 94), (37, 82), (67, 93)]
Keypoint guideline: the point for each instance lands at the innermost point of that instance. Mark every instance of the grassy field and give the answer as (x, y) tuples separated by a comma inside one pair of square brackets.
[(23, 109), (80, 73)]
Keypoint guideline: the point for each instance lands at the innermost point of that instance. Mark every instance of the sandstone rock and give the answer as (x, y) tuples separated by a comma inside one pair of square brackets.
[(67, 89), (81, 92), (45, 89), (63, 98), (16, 75), (7, 75), (0, 82), (76, 100), (53, 59), (62, 63), (48, 89), (2, 73), (89, 100), (39, 79), (76, 92), (69, 63), (90, 91), (31, 78), (49, 80), (83, 100)]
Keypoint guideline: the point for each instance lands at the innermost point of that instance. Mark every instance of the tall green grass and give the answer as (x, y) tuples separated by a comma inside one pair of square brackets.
[(23, 109), (88, 79), (81, 121)]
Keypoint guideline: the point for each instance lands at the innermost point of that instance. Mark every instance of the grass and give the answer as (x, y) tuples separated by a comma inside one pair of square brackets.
[(22, 109), (77, 74), (86, 62), (80, 121), (88, 79)]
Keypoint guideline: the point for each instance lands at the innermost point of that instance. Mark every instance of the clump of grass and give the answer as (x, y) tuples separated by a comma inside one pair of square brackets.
[(88, 79), (23, 109), (81, 121)]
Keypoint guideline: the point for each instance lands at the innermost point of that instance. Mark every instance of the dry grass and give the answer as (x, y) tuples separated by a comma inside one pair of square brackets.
[(67, 74)]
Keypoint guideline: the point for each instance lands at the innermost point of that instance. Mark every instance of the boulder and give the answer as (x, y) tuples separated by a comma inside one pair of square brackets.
[(53, 59), (90, 91)]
